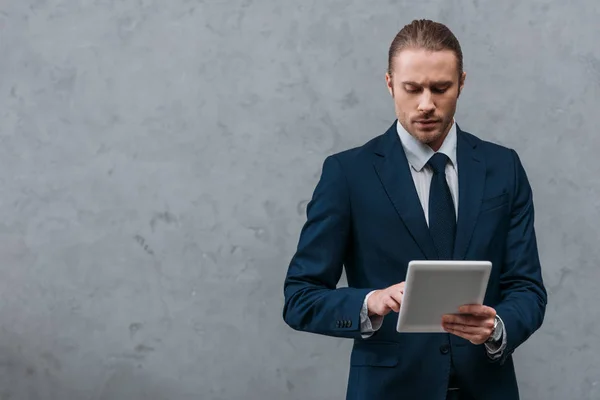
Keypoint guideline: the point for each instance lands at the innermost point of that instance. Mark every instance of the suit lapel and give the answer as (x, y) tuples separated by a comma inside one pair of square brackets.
[(393, 171), (471, 182)]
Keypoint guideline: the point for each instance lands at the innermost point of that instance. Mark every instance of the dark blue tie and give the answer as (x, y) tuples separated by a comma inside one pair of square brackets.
[(442, 217)]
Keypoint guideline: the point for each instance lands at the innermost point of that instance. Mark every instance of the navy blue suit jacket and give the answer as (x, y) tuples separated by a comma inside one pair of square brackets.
[(365, 216)]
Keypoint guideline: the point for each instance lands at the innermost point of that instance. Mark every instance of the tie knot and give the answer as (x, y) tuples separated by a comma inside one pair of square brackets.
[(438, 163)]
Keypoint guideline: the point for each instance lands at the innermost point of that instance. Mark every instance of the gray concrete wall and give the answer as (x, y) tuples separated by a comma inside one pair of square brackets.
[(156, 158)]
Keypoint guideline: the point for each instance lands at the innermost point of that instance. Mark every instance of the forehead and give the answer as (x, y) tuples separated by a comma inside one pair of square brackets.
[(419, 65)]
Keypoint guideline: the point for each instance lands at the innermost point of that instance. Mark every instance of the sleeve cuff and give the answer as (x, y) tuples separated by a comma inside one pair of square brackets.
[(368, 325)]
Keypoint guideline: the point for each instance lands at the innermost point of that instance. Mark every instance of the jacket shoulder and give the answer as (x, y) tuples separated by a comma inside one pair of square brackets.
[(360, 153), (489, 148)]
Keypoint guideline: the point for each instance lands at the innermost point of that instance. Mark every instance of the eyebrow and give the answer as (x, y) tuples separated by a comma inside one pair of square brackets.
[(436, 83)]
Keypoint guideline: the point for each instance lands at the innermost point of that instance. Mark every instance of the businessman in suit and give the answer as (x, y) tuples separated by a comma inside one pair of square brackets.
[(425, 189)]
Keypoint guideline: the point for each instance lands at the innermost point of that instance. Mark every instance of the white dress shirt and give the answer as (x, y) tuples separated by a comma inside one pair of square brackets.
[(418, 154)]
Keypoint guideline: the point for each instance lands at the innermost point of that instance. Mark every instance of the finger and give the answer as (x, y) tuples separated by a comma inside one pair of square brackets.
[(381, 309), (468, 330), (399, 288), (470, 338), (393, 304), (477, 310), (385, 310), (468, 320), (397, 296), (473, 335)]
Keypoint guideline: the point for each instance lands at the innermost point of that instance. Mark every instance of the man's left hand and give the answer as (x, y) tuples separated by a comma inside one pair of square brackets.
[(475, 324)]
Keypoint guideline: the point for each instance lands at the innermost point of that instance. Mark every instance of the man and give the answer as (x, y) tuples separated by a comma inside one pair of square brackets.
[(425, 189)]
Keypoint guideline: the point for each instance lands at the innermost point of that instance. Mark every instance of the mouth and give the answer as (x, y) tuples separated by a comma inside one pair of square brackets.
[(426, 123)]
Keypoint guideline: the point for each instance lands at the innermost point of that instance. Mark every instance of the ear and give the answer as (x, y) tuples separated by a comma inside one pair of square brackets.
[(461, 83), (389, 83)]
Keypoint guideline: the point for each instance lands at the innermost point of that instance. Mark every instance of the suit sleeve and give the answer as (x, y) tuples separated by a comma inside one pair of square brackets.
[(524, 296), (312, 301)]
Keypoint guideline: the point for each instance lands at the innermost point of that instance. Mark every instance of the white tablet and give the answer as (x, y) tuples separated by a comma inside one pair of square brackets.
[(435, 288)]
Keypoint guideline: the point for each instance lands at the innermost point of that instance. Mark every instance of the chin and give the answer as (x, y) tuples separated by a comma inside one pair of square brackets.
[(428, 137)]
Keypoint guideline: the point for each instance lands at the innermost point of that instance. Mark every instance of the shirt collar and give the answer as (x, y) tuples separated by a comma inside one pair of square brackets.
[(418, 154)]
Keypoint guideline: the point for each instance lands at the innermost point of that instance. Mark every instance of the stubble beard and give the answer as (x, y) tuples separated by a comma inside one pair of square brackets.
[(427, 137)]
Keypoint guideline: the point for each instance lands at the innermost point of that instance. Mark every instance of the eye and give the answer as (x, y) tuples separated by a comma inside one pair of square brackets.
[(439, 89), (411, 89)]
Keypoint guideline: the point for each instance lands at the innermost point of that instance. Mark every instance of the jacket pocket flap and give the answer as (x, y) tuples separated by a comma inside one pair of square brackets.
[(376, 354)]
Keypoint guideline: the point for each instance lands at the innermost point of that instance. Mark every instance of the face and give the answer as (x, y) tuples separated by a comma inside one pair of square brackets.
[(425, 86)]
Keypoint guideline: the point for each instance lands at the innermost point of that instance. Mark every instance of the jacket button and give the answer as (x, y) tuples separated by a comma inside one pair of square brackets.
[(338, 324), (444, 349), (349, 324)]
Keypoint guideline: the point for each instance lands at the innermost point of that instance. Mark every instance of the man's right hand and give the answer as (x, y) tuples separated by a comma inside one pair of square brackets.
[(381, 302)]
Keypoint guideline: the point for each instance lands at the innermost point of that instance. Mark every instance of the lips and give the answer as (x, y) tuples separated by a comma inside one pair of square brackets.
[(427, 122)]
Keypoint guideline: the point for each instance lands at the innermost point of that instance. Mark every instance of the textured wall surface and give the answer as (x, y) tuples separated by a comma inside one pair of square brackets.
[(156, 158)]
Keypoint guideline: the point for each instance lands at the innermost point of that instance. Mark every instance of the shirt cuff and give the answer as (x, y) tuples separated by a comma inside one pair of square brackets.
[(496, 348), (368, 325)]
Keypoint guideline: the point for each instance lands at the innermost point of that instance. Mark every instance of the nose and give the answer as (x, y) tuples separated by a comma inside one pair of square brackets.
[(426, 104)]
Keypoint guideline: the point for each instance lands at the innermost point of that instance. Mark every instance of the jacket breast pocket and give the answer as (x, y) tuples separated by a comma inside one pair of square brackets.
[(375, 354), (494, 202)]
